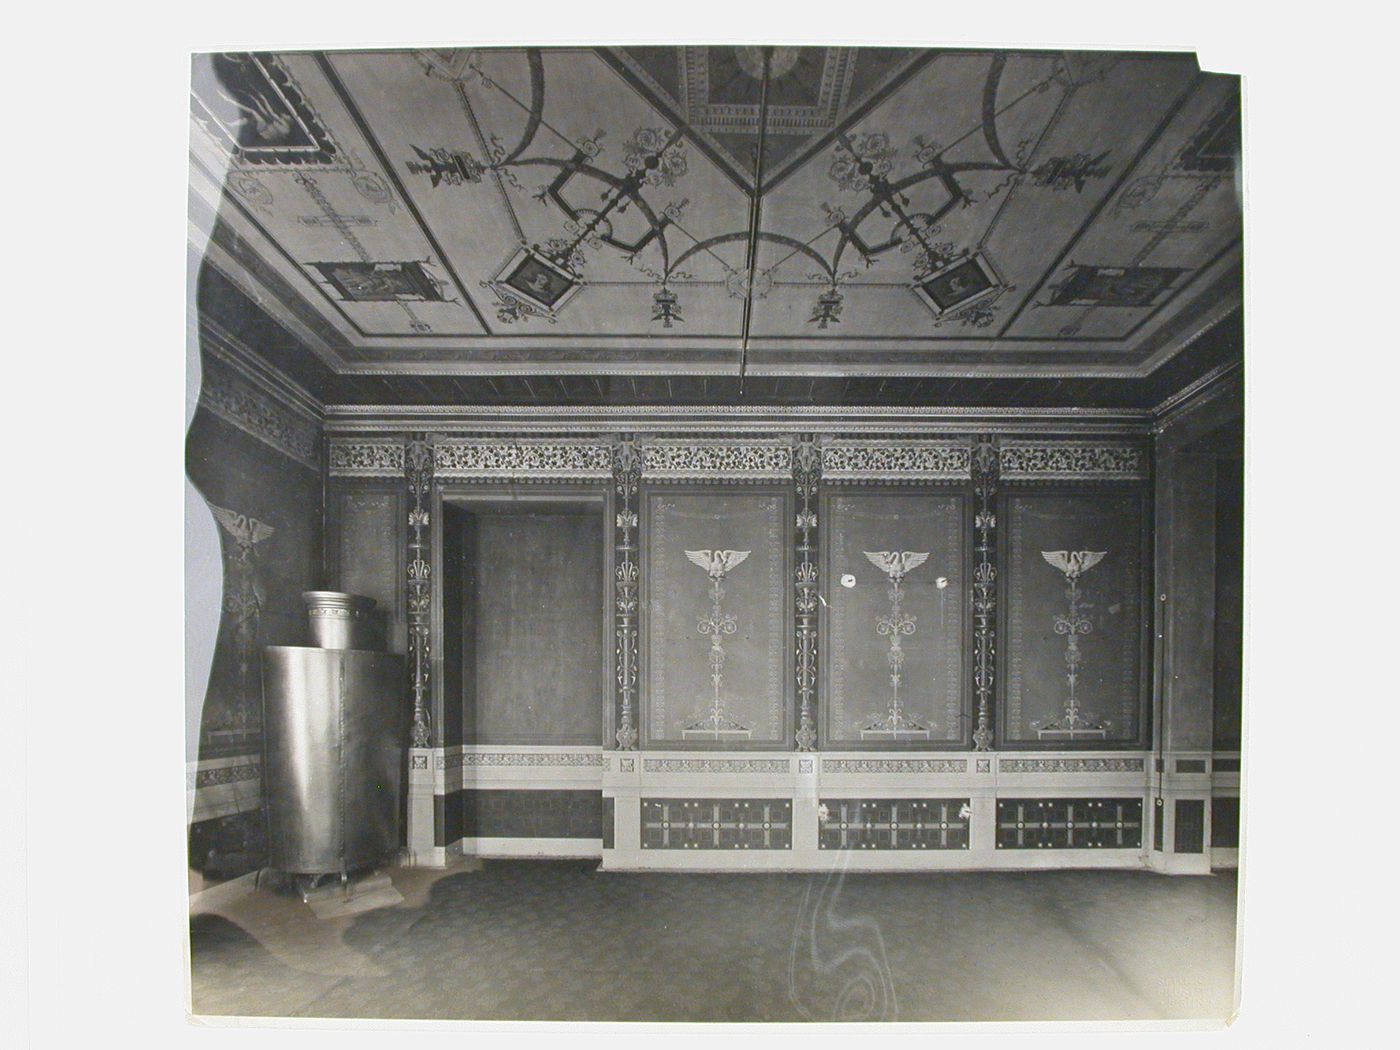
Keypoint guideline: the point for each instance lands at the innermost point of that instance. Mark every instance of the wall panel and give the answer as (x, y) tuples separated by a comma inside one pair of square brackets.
[(867, 533), (1073, 635), (717, 606)]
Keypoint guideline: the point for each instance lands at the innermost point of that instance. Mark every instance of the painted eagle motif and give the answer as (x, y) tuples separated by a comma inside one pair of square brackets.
[(1073, 563), (896, 564), (717, 563), (246, 531)]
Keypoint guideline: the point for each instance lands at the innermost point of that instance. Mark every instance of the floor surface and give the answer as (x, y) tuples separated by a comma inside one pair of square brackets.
[(537, 940)]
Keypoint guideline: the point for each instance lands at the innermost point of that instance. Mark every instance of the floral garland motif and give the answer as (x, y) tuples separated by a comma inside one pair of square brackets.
[(470, 459), (649, 157), (365, 459), (700, 460), (869, 157), (1072, 460), (890, 461), (242, 405)]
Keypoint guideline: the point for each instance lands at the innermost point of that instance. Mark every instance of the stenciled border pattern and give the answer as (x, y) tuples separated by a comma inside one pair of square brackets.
[(365, 458), (896, 461), (715, 765), (1073, 461), (716, 461), (467, 459), (521, 760), (894, 765), (1070, 765)]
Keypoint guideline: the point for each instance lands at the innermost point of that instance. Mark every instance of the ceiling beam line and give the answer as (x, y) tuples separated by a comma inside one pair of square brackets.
[(755, 212)]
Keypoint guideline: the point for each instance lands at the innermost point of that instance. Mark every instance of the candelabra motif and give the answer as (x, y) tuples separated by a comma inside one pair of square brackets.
[(896, 725), (985, 468), (716, 724), (627, 475), (806, 471), (1073, 623), (418, 472)]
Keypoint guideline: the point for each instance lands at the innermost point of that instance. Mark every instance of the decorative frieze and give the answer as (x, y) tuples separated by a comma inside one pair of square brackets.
[(1070, 765), (896, 461), (524, 760), (466, 459), (894, 765), (1072, 461), (365, 457), (715, 765), (237, 401), (716, 461), (806, 473), (218, 776)]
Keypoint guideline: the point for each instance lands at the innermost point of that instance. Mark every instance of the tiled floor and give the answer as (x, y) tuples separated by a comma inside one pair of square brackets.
[(562, 941)]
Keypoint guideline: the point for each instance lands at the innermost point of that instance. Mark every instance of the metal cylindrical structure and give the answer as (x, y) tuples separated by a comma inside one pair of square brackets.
[(339, 620), (334, 721)]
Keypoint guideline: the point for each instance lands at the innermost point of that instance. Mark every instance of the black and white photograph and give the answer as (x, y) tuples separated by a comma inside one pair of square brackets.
[(681, 537), (723, 515)]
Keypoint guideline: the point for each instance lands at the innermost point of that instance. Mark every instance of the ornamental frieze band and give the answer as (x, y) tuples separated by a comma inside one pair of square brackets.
[(714, 460), (894, 765), (555, 460), (1072, 461), (716, 765), (1070, 765), (360, 458), (242, 405), (528, 760), (897, 461)]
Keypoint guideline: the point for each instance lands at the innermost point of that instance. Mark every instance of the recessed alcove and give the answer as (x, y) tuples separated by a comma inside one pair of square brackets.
[(525, 619)]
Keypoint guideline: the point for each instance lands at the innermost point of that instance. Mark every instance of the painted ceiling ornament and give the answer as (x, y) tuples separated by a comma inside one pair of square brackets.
[(445, 167), (927, 152), (666, 307), (869, 157), (827, 310), (653, 156), (739, 286), (1060, 173)]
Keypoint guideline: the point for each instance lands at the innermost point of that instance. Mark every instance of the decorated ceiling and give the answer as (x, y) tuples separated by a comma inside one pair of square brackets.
[(819, 211)]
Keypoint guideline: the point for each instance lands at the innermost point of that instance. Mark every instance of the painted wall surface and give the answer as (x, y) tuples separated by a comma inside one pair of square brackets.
[(1091, 544), (269, 510), (370, 553), (1229, 603), (716, 573), (536, 616), (859, 695)]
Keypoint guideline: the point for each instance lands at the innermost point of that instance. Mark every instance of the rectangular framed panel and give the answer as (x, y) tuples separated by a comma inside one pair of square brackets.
[(1074, 635), (368, 550), (894, 823), (895, 653), (717, 823), (717, 629), (1069, 823)]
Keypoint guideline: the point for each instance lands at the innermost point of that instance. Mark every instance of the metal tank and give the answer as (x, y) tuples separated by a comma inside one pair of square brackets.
[(333, 721)]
